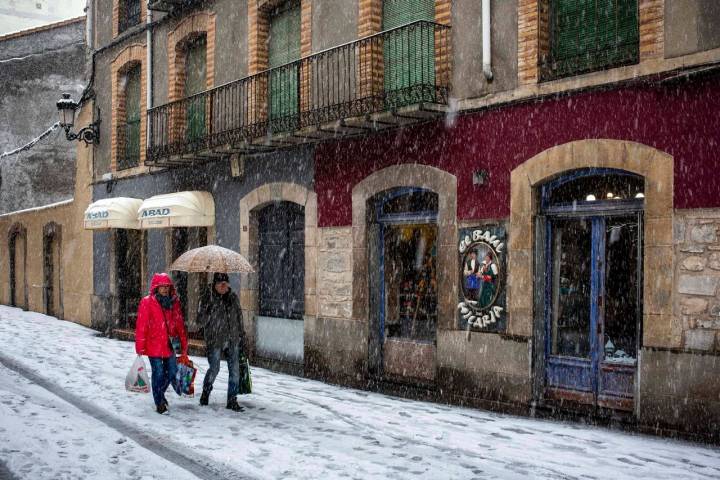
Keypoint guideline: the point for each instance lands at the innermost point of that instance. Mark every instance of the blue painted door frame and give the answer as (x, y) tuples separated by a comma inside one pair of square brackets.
[(587, 380), (387, 220)]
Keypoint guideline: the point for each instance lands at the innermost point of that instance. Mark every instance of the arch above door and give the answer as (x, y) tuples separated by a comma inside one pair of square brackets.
[(660, 328), (412, 176)]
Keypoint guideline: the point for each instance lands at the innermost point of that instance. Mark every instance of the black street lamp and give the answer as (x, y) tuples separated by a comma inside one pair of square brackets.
[(66, 109)]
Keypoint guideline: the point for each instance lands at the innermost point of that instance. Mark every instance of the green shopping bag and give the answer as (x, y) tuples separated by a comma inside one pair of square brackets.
[(245, 379)]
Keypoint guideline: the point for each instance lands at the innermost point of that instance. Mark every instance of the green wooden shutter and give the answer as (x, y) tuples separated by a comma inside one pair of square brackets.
[(409, 53), (131, 153), (284, 48), (593, 34), (195, 82)]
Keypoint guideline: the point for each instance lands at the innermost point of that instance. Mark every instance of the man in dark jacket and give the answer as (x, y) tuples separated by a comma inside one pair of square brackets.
[(220, 315)]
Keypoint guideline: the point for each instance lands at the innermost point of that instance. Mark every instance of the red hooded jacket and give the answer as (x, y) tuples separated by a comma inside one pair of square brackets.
[(154, 324)]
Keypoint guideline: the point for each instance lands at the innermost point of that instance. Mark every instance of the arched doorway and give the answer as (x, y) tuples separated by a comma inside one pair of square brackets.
[(17, 245), (129, 254), (279, 333), (403, 251), (52, 286), (591, 224)]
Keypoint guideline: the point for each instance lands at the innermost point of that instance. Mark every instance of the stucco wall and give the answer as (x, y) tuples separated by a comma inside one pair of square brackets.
[(468, 80), (498, 140), (76, 263), (35, 69), (334, 22), (691, 26)]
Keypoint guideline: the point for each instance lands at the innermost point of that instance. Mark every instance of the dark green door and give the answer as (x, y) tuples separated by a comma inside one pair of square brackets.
[(130, 155), (195, 82), (409, 53), (284, 48)]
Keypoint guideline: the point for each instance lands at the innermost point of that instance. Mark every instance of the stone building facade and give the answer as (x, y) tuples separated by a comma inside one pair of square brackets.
[(540, 240)]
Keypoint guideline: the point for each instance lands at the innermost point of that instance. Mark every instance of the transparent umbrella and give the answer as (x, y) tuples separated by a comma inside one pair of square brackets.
[(212, 258)]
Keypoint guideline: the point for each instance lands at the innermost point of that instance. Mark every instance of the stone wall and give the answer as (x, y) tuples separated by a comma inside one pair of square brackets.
[(335, 273), (335, 343), (697, 278), (35, 69)]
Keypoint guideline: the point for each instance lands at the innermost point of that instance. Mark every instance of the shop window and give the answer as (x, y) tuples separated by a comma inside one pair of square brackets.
[(593, 187), (129, 131), (129, 14), (189, 286), (195, 83), (588, 35), (409, 238), (283, 49), (282, 260)]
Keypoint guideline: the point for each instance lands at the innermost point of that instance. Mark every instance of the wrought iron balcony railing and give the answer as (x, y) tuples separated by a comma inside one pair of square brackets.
[(386, 72)]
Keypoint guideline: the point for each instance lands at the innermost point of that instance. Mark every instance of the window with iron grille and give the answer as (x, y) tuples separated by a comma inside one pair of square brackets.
[(588, 35), (129, 14), (129, 134)]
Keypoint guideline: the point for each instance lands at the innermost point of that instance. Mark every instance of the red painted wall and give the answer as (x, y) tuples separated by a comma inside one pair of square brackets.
[(682, 119)]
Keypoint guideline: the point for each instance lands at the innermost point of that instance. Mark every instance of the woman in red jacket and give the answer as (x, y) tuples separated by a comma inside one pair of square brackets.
[(159, 322)]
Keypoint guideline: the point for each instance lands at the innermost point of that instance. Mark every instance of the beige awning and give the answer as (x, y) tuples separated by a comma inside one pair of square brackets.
[(181, 209), (120, 212)]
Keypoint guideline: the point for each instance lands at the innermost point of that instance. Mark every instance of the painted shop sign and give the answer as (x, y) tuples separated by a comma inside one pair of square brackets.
[(155, 212), (97, 215), (482, 279)]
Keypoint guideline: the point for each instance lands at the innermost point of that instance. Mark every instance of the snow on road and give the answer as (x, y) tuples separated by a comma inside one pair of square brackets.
[(298, 428), (45, 437)]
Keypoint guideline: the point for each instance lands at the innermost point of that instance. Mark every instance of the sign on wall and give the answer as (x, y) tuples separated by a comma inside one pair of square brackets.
[(482, 279)]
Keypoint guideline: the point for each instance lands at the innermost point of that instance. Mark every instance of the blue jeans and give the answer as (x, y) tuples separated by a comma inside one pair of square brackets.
[(163, 375), (233, 361)]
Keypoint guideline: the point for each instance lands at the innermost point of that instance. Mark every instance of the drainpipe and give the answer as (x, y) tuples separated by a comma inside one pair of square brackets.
[(149, 68), (487, 43), (89, 27)]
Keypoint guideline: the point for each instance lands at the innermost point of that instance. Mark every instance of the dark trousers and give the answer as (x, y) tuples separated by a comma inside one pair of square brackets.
[(163, 375), (233, 361)]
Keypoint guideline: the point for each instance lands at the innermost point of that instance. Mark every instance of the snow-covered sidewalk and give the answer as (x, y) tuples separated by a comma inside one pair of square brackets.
[(291, 427)]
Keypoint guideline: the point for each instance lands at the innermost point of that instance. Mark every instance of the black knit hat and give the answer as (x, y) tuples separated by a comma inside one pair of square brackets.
[(220, 277)]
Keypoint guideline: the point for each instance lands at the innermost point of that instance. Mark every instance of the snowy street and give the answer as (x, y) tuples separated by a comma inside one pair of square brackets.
[(66, 415)]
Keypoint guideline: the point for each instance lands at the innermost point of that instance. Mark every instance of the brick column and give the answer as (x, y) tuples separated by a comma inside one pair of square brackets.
[(129, 57), (201, 23), (528, 29), (305, 51), (652, 29)]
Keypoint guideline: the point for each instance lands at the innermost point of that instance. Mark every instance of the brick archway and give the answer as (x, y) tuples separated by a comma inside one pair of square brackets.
[(660, 328), (129, 57), (52, 269), (192, 26)]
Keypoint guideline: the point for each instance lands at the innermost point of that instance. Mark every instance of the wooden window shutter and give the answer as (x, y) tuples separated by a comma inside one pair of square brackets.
[(195, 82), (130, 131), (409, 53), (284, 48), (589, 35)]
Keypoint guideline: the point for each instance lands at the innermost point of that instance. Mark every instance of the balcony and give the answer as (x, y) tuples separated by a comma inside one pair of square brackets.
[(393, 78), (173, 5)]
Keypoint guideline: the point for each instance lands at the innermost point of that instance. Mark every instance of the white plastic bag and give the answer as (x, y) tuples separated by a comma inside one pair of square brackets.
[(137, 379)]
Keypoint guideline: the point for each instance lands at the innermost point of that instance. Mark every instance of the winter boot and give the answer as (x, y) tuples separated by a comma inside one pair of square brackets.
[(162, 408), (233, 405), (205, 397)]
